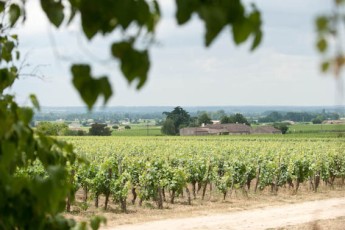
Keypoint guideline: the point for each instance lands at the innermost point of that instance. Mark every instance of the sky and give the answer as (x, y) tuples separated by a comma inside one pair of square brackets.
[(283, 71)]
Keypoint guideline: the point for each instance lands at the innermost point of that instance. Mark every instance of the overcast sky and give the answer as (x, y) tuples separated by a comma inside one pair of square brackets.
[(284, 70)]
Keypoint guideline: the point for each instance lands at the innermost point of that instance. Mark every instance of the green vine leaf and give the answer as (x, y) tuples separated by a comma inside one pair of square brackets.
[(54, 11), (88, 87), (135, 64)]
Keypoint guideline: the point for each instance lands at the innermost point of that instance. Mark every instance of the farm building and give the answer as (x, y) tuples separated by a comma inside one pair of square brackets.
[(216, 129), (227, 129)]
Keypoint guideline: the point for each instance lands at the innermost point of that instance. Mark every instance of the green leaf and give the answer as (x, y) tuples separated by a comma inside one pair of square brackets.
[(88, 87), (6, 79), (54, 11), (185, 8), (215, 20), (2, 6), (96, 221), (322, 45), (325, 66), (25, 115), (34, 101), (257, 40), (134, 64), (322, 23), (14, 14), (241, 31)]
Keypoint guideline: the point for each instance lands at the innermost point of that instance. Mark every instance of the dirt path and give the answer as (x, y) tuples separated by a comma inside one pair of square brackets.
[(262, 218)]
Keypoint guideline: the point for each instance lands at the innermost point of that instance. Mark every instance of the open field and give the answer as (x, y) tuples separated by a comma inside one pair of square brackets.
[(139, 130), (314, 128)]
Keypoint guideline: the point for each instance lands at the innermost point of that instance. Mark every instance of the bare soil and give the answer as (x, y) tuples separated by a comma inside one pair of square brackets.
[(324, 209), (259, 218)]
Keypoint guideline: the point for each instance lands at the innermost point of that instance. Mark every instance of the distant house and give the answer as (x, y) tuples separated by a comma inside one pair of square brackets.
[(228, 129), (266, 129), (216, 129), (194, 131), (231, 128)]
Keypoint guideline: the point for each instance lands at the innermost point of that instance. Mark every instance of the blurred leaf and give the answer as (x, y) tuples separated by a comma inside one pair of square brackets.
[(2, 6), (34, 101), (322, 23), (257, 40), (134, 64), (14, 13), (215, 20), (96, 221), (25, 114), (54, 11), (322, 45), (88, 87), (185, 8), (6, 79), (325, 66)]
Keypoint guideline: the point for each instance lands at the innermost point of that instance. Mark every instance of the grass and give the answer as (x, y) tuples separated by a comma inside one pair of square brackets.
[(314, 128), (139, 130)]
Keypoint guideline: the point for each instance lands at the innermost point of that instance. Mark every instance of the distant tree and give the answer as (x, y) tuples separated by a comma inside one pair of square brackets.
[(333, 116), (283, 127), (99, 130), (52, 128), (127, 127), (237, 118), (272, 117), (180, 118), (115, 127), (75, 133), (218, 115), (316, 121), (193, 123), (168, 127), (226, 120), (204, 119)]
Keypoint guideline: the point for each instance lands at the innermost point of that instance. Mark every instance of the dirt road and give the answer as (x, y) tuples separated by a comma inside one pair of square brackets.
[(262, 218)]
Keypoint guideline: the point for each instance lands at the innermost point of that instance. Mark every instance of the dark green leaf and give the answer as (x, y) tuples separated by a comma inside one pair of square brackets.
[(88, 87), (14, 14), (54, 11), (241, 31), (6, 79), (185, 8), (2, 6), (257, 40), (215, 20), (134, 64)]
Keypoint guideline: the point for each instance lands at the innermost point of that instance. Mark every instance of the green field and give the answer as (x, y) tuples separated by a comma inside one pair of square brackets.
[(314, 128), (139, 130)]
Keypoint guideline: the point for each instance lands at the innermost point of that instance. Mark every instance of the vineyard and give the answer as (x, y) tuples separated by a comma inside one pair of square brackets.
[(130, 171)]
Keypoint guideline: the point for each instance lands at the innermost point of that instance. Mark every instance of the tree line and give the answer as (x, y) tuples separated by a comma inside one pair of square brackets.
[(316, 118)]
